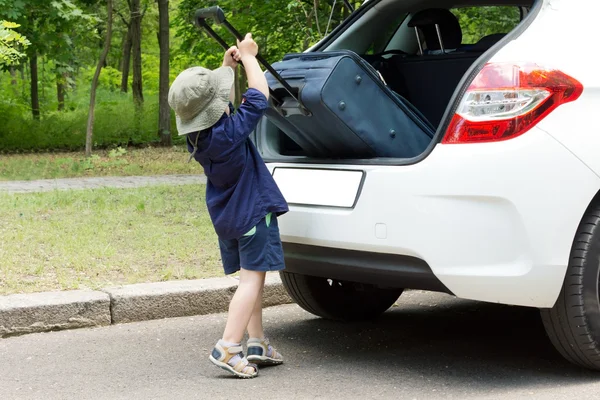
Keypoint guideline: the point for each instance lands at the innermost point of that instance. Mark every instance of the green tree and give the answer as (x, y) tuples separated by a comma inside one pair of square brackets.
[(49, 26), (126, 46), (164, 112), (136, 16), (101, 62)]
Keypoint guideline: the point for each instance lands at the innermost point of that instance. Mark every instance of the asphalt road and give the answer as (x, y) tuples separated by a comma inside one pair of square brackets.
[(431, 346)]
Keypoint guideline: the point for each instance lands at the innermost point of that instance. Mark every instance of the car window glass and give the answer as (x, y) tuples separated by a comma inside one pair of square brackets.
[(477, 22), (379, 44)]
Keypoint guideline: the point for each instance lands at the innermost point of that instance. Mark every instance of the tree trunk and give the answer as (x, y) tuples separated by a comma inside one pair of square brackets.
[(126, 61), (23, 81), (35, 97), (13, 76), (164, 111), (238, 88), (90, 122), (136, 42), (43, 79), (316, 8), (60, 91), (13, 81), (243, 84)]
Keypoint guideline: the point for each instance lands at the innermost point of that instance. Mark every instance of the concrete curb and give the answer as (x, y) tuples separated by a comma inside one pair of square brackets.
[(39, 312), (42, 312), (148, 301)]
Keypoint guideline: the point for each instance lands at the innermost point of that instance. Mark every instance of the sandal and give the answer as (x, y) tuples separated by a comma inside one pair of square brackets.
[(232, 360), (261, 352)]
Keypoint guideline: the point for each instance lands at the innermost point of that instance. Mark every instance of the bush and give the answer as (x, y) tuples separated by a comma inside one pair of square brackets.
[(115, 124)]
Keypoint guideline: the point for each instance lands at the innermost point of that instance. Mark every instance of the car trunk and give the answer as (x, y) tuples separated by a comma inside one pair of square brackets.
[(430, 80)]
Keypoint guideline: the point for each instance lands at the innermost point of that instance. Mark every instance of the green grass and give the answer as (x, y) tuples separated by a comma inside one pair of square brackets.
[(116, 162), (96, 238)]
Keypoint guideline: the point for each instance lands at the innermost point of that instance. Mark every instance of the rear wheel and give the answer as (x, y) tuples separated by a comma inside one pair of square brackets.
[(573, 324), (338, 300)]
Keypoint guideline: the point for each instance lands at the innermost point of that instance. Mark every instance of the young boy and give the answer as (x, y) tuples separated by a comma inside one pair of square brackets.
[(242, 197)]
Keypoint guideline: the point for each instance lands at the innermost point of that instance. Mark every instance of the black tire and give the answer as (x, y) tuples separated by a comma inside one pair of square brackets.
[(573, 324), (338, 300)]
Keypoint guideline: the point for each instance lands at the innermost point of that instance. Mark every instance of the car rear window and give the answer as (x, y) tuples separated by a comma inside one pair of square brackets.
[(477, 22)]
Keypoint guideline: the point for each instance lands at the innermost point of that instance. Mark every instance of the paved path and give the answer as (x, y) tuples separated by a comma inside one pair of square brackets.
[(99, 182), (430, 347)]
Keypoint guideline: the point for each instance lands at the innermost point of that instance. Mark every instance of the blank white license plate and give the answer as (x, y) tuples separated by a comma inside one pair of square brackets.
[(319, 187)]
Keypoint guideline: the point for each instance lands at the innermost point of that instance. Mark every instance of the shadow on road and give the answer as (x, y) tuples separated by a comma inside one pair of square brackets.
[(483, 346)]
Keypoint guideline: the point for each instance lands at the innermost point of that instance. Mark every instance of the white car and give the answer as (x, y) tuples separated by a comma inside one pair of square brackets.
[(503, 206)]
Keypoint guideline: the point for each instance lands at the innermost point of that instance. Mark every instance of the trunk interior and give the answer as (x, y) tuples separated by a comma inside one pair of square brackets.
[(424, 64)]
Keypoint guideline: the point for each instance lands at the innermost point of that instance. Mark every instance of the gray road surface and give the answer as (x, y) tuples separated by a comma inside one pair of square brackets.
[(45, 185), (429, 347)]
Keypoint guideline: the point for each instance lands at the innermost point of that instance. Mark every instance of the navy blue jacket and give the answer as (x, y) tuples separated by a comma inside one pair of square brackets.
[(240, 190)]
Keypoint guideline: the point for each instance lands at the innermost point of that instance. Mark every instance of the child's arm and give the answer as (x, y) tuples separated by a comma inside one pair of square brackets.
[(248, 49), (231, 59), (240, 125)]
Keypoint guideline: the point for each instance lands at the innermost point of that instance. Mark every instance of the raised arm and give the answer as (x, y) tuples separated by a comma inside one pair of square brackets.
[(248, 49), (231, 59)]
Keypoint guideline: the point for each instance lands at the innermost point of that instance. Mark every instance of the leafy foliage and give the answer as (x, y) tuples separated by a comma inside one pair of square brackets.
[(497, 20), (114, 126), (11, 43), (50, 26), (278, 26)]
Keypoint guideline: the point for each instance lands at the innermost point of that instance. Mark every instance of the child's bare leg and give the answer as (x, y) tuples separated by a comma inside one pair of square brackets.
[(260, 350), (243, 304), (227, 353), (255, 326)]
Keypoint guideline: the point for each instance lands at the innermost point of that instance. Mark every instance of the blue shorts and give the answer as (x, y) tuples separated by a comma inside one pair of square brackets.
[(258, 250)]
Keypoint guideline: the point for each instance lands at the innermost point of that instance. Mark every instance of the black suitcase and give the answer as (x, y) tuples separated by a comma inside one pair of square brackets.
[(351, 112), (334, 104)]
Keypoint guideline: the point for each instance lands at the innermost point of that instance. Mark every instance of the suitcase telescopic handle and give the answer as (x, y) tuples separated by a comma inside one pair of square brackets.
[(218, 15), (215, 13)]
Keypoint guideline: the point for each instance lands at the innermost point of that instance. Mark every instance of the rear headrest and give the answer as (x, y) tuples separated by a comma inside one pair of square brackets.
[(450, 30)]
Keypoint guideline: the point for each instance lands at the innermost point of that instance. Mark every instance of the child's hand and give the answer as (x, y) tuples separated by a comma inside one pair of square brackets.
[(247, 47), (232, 57)]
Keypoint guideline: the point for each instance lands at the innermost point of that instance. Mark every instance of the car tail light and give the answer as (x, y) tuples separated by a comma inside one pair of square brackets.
[(505, 100)]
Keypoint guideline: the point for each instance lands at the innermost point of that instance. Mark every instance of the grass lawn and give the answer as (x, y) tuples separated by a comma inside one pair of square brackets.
[(95, 238), (116, 162)]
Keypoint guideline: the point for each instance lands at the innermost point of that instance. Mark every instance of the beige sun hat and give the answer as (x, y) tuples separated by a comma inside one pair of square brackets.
[(199, 97)]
